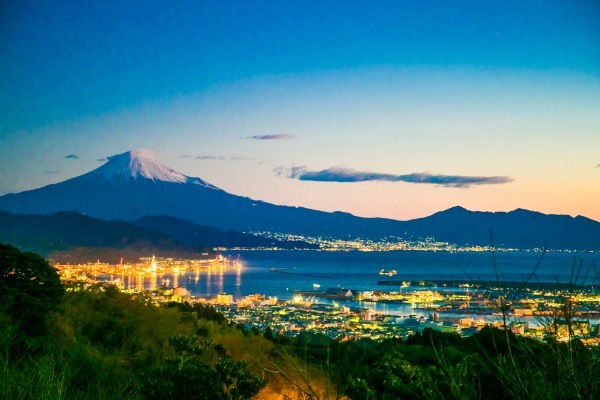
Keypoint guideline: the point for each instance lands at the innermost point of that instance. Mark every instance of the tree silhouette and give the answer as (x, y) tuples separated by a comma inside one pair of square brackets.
[(29, 289)]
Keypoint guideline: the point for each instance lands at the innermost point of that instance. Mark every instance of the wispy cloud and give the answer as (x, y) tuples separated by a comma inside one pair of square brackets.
[(203, 157), (218, 158), (342, 174), (597, 166), (73, 156), (209, 158), (281, 136), (51, 172), (241, 158)]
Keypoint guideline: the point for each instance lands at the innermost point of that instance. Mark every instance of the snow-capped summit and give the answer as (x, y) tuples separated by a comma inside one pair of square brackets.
[(139, 164), (133, 185)]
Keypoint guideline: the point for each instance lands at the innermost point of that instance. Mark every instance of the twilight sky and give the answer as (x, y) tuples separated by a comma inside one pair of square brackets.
[(395, 109)]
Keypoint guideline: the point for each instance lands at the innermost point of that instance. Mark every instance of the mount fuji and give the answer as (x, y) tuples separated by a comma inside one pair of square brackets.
[(133, 185)]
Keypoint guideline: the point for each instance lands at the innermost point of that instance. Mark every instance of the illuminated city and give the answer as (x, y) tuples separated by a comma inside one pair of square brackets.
[(389, 244), (300, 200), (460, 307)]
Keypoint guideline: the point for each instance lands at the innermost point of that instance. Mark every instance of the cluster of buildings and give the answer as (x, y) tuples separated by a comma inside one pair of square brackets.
[(143, 275), (391, 243), (536, 314), (461, 308), (294, 317)]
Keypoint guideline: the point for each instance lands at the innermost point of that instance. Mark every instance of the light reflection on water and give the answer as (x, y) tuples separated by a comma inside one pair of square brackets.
[(356, 270)]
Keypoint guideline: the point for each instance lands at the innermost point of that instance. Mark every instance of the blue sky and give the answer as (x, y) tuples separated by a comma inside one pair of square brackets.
[(470, 89)]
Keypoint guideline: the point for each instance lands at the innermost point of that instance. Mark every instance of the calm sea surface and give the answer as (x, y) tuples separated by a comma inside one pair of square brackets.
[(360, 270)]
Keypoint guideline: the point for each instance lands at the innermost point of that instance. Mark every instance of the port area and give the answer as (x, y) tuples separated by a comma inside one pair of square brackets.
[(425, 299), (514, 299), (464, 307), (485, 284)]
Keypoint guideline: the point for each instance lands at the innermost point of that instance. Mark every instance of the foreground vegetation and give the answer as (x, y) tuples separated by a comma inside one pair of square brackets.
[(98, 343), (492, 364), (61, 342)]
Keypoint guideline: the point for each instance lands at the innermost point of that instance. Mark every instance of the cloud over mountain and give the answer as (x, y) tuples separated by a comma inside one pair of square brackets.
[(218, 158), (281, 136), (209, 158), (133, 185), (342, 174)]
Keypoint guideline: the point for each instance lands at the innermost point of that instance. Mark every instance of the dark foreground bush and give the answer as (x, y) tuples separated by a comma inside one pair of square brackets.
[(29, 289), (492, 364)]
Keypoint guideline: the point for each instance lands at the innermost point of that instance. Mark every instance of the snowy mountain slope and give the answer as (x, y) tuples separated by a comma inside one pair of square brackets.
[(139, 164), (132, 185)]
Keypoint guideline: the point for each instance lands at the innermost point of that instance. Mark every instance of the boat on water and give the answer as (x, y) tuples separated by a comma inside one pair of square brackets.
[(388, 273)]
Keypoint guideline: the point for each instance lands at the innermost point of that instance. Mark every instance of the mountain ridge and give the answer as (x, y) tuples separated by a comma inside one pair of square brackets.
[(73, 237), (132, 197), (63, 232), (194, 234), (519, 228), (132, 185)]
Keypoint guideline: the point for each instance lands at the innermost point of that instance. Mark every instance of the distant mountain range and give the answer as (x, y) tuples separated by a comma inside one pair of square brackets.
[(520, 228), (70, 236), (131, 186), (202, 235), (74, 237)]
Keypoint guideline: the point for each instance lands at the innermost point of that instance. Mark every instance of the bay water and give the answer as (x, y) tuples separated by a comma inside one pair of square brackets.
[(278, 273)]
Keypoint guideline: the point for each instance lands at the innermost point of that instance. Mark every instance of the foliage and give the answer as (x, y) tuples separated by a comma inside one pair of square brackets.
[(29, 289), (192, 373), (100, 343), (492, 364), (107, 344)]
